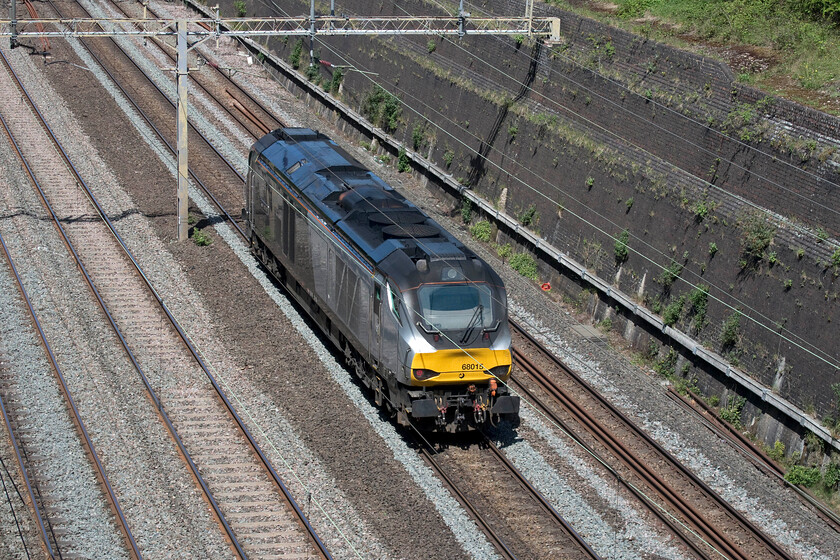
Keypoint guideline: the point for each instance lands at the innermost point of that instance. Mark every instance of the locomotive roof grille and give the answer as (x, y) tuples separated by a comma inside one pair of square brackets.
[(374, 216)]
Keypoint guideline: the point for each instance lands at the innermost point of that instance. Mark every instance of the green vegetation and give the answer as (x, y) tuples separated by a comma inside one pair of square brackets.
[(403, 162), (730, 333), (801, 37), (431, 45), (200, 238), (524, 264), (806, 476), (504, 251), (667, 366), (466, 210), (448, 156), (240, 8), (777, 453), (832, 476), (620, 247), (702, 209), (481, 231), (731, 413), (822, 235), (313, 74), (382, 108), (699, 300), (673, 311), (529, 216), (418, 137), (670, 274), (713, 249), (294, 57), (756, 235), (335, 82)]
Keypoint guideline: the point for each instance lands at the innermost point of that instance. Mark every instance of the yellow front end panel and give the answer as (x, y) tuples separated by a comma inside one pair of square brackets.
[(460, 366)]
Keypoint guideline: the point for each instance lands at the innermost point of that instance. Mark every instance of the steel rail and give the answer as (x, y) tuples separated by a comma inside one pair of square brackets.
[(485, 526), (110, 318), (238, 105), (19, 457), (77, 419), (723, 542), (719, 541), (547, 507), (655, 509), (512, 469), (199, 360), (758, 457), (9, 496), (40, 521)]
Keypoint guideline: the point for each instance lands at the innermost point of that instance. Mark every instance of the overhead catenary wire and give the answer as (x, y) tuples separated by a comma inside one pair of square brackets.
[(793, 338)]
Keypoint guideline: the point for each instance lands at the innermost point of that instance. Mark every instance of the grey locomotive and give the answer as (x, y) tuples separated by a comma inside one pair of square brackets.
[(419, 317)]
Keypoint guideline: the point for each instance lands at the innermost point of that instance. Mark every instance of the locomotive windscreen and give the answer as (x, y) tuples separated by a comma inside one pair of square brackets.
[(456, 306)]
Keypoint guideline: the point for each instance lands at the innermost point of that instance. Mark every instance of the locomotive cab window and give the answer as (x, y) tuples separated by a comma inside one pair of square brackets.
[(452, 307), (394, 303)]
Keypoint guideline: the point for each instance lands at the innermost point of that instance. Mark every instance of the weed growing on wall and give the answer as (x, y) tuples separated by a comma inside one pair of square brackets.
[(418, 137), (335, 83), (670, 274), (382, 108), (620, 247), (699, 300), (756, 235), (673, 311), (529, 216), (731, 331), (294, 57), (448, 156)]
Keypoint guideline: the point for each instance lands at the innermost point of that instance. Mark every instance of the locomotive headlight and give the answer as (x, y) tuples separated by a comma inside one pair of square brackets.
[(451, 274), (500, 371), (424, 374)]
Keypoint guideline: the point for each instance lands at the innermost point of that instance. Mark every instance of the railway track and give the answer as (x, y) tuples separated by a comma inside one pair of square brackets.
[(695, 405), (246, 118), (258, 515), (31, 449), (715, 528), (505, 505)]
